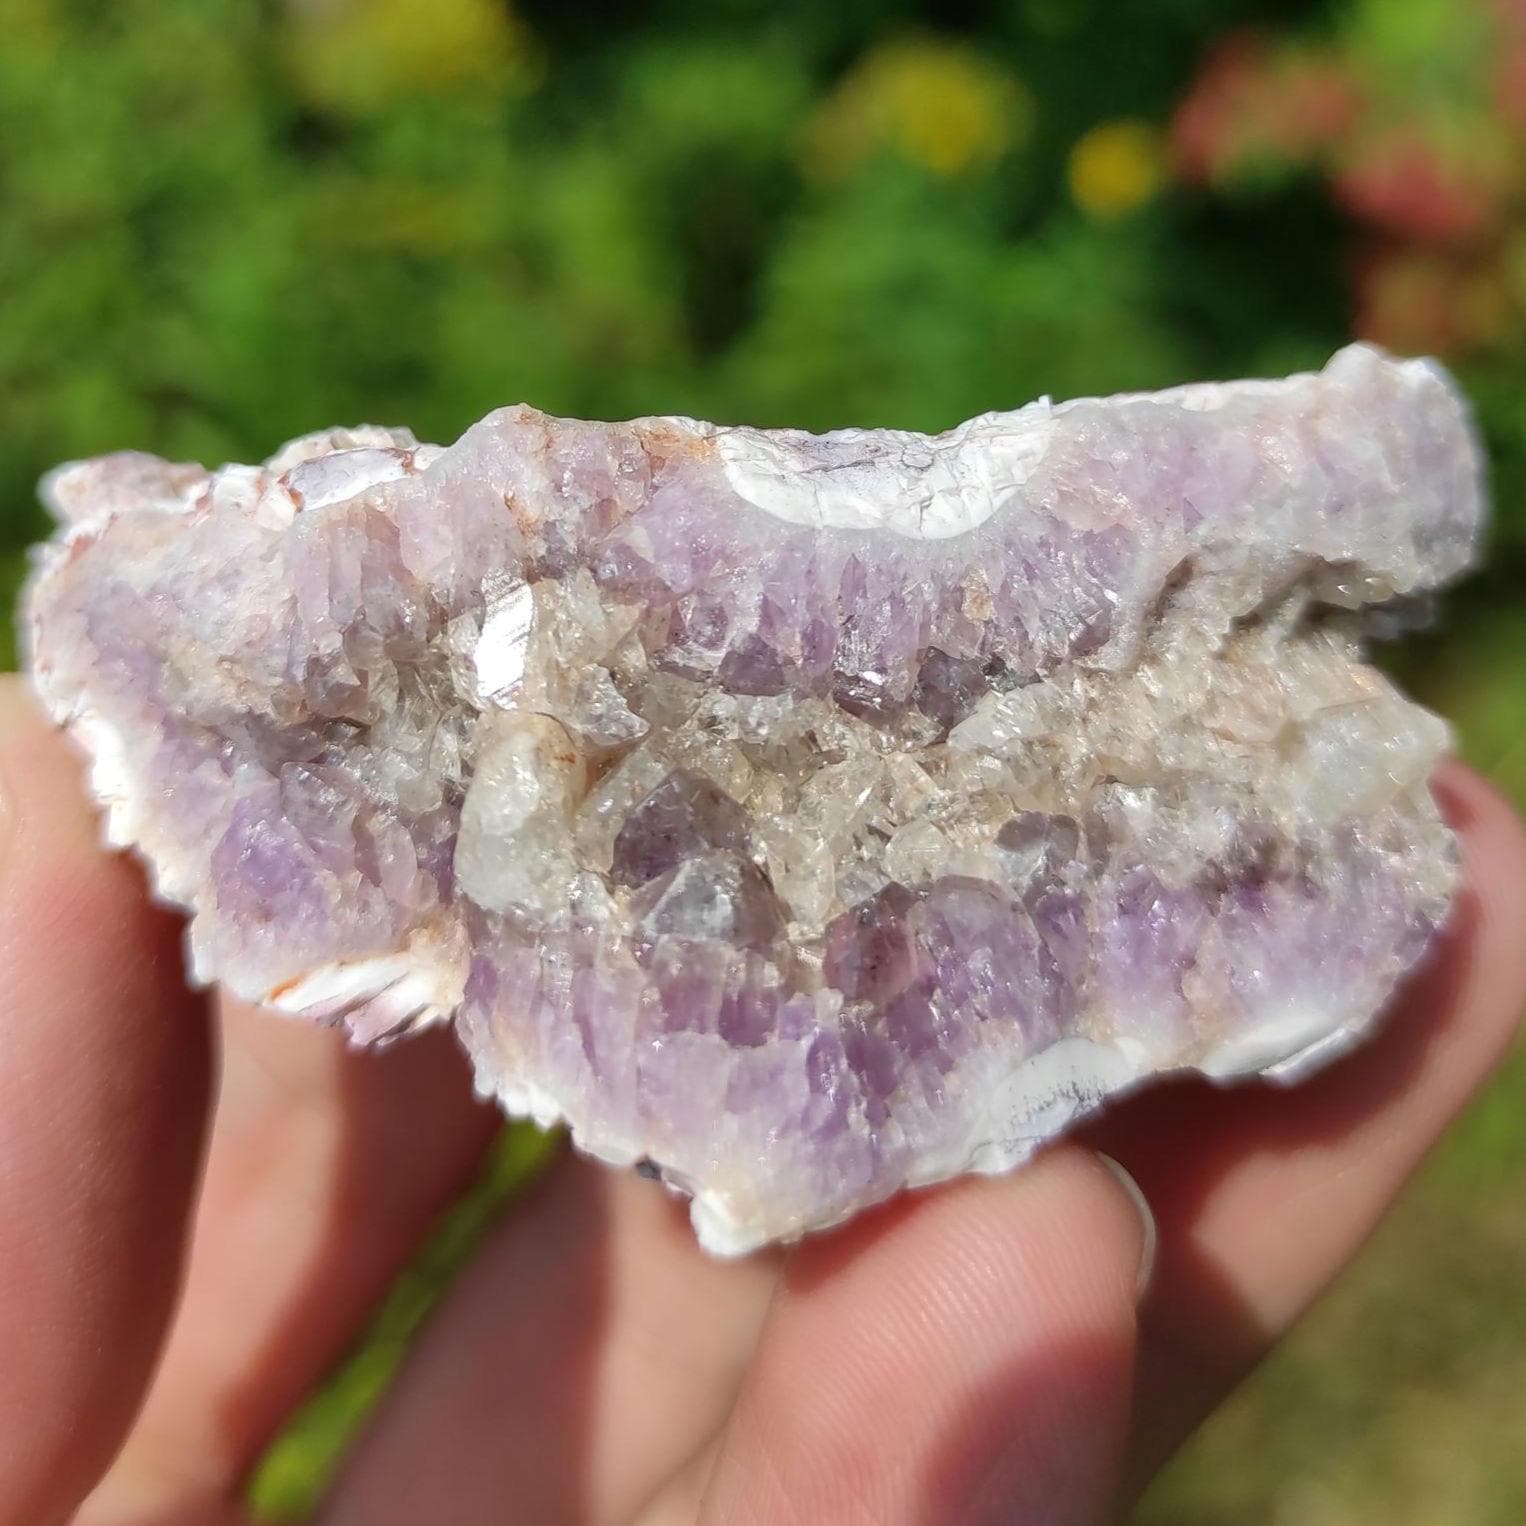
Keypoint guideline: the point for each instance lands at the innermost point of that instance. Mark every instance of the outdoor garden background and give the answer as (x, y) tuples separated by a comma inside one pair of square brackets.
[(224, 222)]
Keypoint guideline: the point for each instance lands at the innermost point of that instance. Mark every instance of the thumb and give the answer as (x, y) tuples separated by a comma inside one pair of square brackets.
[(103, 1091)]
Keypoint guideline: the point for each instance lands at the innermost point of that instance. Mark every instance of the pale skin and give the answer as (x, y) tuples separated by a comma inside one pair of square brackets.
[(182, 1257)]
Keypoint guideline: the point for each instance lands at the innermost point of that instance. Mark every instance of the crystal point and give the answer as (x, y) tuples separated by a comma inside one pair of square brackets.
[(800, 817)]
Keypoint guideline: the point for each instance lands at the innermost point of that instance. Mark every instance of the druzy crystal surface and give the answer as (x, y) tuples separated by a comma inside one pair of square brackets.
[(802, 817)]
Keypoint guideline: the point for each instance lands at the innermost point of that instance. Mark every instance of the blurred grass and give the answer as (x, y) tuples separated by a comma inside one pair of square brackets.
[(224, 222)]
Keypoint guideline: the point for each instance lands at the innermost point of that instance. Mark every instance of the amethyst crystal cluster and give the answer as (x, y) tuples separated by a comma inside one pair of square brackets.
[(807, 817)]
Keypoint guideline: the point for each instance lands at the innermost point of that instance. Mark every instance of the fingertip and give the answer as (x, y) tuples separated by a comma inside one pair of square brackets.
[(1492, 836), (1474, 804), (1473, 986)]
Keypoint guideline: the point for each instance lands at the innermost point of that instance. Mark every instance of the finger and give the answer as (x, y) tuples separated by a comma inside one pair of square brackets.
[(327, 1167), (962, 1356), (1262, 1195), (587, 1351), (103, 1091)]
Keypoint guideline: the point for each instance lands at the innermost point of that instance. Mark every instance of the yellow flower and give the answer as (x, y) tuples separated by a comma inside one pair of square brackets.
[(940, 104), (356, 55), (1116, 168)]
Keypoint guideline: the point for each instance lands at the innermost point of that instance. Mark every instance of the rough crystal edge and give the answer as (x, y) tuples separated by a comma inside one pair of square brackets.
[(767, 468), (1048, 1092), (762, 466), (374, 999)]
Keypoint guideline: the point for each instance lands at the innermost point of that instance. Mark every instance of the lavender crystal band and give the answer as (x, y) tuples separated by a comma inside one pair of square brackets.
[(809, 816)]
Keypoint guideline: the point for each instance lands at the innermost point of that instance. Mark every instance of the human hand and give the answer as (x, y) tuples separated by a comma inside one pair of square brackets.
[(975, 1354)]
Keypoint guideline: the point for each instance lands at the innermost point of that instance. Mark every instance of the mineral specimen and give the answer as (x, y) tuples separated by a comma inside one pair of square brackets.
[(799, 817)]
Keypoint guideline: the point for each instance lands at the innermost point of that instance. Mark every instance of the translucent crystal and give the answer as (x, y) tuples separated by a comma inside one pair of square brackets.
[(806, 816)]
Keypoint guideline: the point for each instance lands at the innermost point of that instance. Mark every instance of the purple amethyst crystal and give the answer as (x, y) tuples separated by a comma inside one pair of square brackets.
[(686, 814), (802, 817)]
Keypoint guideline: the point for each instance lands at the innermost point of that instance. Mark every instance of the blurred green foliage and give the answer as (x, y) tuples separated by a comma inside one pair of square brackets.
[(225, 222)]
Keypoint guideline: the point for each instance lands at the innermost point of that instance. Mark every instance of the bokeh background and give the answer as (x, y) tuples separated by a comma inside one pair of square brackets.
[(223, 222)]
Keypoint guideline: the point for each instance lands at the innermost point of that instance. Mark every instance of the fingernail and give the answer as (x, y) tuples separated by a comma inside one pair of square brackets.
[(1150, 1236)]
